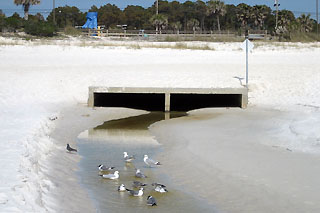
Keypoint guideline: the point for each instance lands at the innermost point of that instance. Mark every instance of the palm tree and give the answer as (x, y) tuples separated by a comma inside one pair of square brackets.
[(286, 18), (159, 21), (26, 5), (176, 26), (216, 7), (193, 24), (244, 13), (259, 15), (201, 12), (305, 23)]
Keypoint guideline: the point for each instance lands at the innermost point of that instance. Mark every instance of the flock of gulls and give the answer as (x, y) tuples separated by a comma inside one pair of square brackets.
[(105, 172)]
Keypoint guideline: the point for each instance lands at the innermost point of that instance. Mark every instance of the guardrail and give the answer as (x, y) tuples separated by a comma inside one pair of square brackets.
[(147, 33)]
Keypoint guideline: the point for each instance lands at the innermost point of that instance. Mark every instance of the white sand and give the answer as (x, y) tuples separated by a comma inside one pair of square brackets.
[(41, 81)]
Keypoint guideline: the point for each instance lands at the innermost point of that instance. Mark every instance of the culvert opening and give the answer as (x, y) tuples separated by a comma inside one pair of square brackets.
[(185, 102), (145, 101)]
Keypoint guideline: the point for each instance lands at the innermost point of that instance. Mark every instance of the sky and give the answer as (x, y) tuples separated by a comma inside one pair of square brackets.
[(8, 7)]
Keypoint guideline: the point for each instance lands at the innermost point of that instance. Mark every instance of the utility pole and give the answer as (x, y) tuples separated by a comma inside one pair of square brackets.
[(157, 12), (317, 12), (54, 12), (276, 4), (157, 6)]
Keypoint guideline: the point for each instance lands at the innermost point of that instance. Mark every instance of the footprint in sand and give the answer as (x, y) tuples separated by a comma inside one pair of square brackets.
[(3, 198)]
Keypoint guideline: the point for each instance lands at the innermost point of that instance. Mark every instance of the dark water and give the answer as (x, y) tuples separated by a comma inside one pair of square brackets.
[(106, 143)]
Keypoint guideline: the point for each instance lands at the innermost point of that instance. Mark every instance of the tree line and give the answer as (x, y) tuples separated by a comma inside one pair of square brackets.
[(197, 16)]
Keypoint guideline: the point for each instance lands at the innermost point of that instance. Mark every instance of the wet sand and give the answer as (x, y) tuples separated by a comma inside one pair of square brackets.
[(228, 157)]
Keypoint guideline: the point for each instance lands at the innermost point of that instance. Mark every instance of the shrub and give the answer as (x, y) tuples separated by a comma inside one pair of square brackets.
[(2, 23), (13, 23), (39, 28), (69, 30)]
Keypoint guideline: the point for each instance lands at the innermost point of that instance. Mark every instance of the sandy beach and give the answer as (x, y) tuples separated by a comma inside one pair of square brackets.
[(237, 169), (261, 159)]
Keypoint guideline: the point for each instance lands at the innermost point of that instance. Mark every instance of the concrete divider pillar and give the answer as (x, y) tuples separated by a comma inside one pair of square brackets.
[(244, 101), (167, 102)]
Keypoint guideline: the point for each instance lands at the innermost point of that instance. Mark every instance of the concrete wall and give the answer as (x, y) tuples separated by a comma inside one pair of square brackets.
[(166, 99)]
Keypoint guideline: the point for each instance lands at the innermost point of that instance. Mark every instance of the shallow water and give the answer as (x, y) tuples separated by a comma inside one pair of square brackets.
[(106, 143)]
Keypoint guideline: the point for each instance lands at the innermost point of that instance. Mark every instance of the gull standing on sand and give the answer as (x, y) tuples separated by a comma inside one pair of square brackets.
[(121, 188), (135, 193), (103, 168), (139, 174), (128, 158), (111, 176), (151, 201), (159, 187), (149, 161), (69, 149)]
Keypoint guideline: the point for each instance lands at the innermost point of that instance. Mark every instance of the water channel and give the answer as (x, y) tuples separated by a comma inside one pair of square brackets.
[(106, 143)]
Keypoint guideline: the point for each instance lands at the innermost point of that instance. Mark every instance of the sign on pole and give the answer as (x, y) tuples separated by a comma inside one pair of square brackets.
[(247, 46)]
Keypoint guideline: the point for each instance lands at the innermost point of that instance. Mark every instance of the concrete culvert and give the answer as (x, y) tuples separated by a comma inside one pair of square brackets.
[(145, 101), (186, 102)]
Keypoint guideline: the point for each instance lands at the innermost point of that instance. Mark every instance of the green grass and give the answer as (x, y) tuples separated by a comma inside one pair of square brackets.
[(213, 38), (71, 31), (84, 41), (304, 37)]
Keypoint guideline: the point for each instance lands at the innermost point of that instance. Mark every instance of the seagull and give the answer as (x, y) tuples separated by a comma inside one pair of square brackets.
[(128, 158), (158, 184), (111, 176), (103, 168), (137, 184), (121, 188), (159, 187), (135, 193), (151, 201), (70, 149), (139, 174), (149, 161)]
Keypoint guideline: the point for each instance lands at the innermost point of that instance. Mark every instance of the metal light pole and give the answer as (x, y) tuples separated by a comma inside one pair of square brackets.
[(157, 12), (54, 12), (317, 12), (157, 6), (276, 4)]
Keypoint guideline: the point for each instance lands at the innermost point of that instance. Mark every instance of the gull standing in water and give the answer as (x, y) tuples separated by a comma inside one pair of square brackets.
[(103, 168), (111, 176), (128, 158), (137, 184), (159, 187), (149, 161), (136, 193), (151, 201), (69, 149), (139, 174), (121, 188)]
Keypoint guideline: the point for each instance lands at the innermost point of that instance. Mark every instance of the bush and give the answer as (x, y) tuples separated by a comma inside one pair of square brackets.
[(69, 30), (13, 23), (2, 22), (39, 28)]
